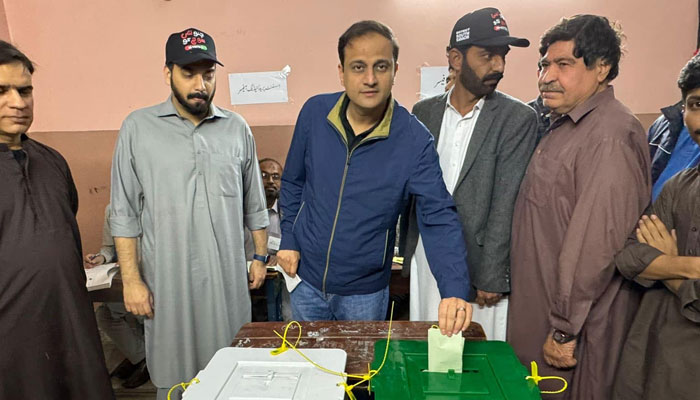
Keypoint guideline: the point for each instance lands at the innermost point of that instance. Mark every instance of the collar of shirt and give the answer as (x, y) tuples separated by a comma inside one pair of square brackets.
[(167, 108), (589, 105), (275, 207), (478, 106), (5, 147), (382, 130), (349, 132)]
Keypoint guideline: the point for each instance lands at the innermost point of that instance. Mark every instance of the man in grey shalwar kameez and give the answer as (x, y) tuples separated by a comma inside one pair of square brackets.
[(185, 178)]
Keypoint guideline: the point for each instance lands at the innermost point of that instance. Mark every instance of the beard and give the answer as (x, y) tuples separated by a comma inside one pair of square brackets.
[(271, 191), (197, 109), (475, 85)]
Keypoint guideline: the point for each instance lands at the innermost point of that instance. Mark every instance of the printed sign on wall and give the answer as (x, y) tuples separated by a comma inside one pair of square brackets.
[(259, 87), (432, 81)]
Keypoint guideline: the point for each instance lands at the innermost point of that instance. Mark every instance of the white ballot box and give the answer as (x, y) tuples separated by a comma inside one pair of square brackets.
[(236, 373)]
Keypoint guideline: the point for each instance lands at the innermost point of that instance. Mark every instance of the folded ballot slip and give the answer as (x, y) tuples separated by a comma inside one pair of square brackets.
[(101, 276), (444, 353)]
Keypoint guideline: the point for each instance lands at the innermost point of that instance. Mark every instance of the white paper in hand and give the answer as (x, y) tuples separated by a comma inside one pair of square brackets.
[(100, 277), (288, 280), (444, 353)]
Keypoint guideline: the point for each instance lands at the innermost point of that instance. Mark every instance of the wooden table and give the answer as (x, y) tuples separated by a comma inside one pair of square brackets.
[(355, 337), (115, 294)]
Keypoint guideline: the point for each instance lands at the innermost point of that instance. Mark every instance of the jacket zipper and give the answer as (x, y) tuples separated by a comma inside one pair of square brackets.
[(386, 244), (298, 213), (340, 200)]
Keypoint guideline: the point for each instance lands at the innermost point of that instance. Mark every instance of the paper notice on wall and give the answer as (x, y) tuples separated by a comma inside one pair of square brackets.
[(432, 81), (259, 87)]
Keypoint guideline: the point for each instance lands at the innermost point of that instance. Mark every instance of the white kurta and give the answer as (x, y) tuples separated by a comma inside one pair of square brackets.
[(455, 135)]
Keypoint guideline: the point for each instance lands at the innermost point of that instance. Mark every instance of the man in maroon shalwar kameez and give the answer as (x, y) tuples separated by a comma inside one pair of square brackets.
[(49, 345), (585, 188)]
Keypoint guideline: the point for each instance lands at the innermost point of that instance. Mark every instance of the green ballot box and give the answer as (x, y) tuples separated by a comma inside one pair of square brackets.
[(490, 371)]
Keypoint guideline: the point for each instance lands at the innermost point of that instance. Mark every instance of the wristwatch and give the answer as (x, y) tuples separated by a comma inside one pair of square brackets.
[(562, 337), (264, 258)]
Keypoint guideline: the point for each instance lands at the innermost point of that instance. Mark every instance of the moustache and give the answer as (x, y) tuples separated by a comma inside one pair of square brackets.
[(198, 95), (496, 76), (550, 88)]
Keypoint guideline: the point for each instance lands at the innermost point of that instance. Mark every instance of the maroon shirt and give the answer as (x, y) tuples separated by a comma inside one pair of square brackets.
[(665, 335), (585, 188), (50, 347)]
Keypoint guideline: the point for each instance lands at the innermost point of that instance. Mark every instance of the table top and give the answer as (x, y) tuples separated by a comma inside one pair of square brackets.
[(355, 337), (115, 294)]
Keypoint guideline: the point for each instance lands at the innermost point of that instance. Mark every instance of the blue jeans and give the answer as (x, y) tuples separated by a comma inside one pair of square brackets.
[(310, 304)]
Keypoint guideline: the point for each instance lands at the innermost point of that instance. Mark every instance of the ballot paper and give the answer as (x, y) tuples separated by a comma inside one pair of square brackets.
[(100, 277), (444, 353), (290, 282)]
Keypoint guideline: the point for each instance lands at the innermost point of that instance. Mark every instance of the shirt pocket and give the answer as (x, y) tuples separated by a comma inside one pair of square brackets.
[(225, 175), (541, 178)]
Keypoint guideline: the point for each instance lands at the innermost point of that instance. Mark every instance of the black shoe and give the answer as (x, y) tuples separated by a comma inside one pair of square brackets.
[(123, 370), (138, 377)]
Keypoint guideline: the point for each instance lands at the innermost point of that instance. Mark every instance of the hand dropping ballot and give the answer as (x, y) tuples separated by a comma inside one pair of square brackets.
[(444, 353)]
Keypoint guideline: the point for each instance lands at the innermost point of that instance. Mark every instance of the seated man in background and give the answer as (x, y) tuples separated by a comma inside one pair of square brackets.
[(271, 171), (660, 356), (123, 328)]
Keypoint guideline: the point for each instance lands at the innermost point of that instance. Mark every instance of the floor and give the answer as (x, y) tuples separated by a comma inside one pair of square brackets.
[(113, 357)]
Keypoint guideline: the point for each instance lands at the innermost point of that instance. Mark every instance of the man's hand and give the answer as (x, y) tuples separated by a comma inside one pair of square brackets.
[(654, 233), (93, 260), (137, 298), (289, 261), (487, 299), (272, 261), (454, 315), (256, 275), (559, 355)]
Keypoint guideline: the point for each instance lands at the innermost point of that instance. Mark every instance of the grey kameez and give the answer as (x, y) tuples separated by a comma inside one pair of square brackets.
[(188, 191)]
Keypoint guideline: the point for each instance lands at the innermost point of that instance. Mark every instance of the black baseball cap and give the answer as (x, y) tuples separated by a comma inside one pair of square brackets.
[(484, 28), (190, 46)]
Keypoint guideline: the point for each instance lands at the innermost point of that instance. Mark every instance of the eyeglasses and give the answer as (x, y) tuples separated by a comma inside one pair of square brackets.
[(275, 177)]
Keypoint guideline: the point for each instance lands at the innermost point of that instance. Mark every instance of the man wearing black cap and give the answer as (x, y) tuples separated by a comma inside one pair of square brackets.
[(485, 139), (185, 178)]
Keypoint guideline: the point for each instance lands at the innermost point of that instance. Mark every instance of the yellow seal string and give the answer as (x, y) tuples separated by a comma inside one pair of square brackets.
[(536, 378), (183, 385), (348, 388), (284, 347)]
